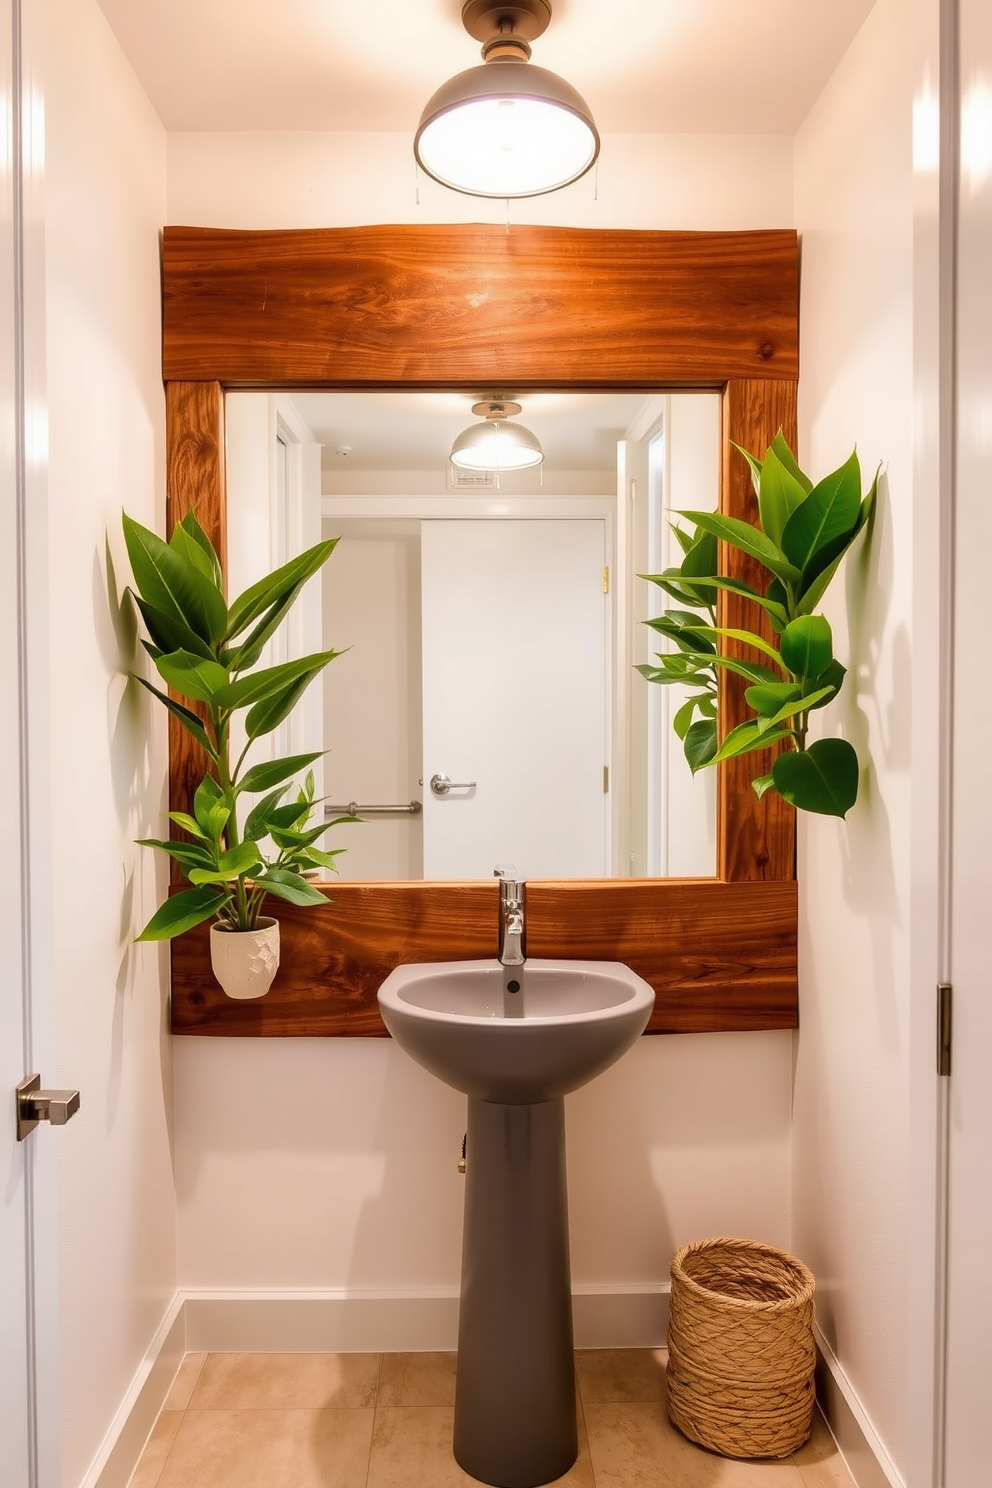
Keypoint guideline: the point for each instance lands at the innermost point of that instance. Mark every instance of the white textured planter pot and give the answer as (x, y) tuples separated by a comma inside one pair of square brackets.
[(245, 961)]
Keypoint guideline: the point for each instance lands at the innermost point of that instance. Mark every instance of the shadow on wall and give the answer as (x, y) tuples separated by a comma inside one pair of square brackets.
[(879, 724), (138, 783)]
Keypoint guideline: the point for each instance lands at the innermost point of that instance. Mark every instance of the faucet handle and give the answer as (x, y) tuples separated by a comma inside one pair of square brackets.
[(505, 870)]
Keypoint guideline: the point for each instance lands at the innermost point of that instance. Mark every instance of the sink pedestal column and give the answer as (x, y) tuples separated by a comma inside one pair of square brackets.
[(515, 1422)]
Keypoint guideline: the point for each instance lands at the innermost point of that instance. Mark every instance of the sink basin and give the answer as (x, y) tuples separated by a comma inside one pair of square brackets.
[(567, 1023)]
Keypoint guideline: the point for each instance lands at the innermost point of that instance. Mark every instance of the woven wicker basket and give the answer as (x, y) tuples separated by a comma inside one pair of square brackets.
[(740, 1348)]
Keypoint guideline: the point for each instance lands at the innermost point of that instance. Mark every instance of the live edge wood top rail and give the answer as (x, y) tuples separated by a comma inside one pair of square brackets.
[(476, 308)]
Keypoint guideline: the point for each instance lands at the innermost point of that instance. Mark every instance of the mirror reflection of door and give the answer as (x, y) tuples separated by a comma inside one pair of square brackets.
[(514, 698), (431, 575)]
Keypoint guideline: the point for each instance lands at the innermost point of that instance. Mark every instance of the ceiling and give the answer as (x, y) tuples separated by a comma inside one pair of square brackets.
[(644, 66), (414, 431)]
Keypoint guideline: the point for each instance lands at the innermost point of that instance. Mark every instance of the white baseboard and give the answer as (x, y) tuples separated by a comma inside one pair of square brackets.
[(400, 1322), (860, 1444), (124, 1442), (623, 1316)]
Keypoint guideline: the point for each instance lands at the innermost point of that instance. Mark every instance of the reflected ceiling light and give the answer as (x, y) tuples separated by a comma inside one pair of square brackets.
[(506, 129), (496, 444)]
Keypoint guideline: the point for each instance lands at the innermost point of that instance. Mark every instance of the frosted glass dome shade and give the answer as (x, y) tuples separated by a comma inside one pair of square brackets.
[(496, 445), (506, 129)]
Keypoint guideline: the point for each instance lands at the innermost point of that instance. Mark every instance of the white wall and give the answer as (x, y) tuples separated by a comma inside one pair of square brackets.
[(105, 201), (347, 1173), (332, 180), (353, 1184), (851, 1111), (373, 713)]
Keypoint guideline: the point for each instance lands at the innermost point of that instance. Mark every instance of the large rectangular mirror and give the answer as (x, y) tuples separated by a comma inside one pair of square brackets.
[(533, 310), (487, 708)]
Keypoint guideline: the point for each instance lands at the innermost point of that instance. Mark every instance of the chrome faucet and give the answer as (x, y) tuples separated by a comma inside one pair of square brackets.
[(512, 930)]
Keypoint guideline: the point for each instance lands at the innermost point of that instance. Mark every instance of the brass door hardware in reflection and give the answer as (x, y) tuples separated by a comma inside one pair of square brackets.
[(35, 1104)]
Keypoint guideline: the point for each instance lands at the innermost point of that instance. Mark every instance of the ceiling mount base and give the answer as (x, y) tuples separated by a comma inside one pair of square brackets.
[(527, 18)]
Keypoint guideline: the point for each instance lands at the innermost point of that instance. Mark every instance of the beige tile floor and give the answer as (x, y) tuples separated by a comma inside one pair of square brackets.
[(385, 1420)]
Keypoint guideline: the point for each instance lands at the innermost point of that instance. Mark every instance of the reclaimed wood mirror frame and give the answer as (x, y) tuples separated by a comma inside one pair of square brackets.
[(526, 308)]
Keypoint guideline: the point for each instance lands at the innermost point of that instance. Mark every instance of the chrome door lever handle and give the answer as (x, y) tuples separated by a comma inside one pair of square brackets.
[(441, 785), (35, 1104)]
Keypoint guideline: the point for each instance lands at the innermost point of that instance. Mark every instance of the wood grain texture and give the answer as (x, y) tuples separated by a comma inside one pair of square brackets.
[(756, 839), (468, 307), (719, 956), (196, 481), (476, 306)]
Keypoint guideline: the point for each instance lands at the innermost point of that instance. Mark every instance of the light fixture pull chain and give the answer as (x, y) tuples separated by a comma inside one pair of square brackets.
[(507, 216), (416, 180)]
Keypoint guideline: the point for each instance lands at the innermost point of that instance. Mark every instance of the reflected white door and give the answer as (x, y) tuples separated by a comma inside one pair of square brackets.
[(515, 690)]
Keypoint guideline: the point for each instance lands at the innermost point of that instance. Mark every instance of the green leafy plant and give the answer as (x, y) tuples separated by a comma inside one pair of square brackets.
[(802, 535), (208, 652)]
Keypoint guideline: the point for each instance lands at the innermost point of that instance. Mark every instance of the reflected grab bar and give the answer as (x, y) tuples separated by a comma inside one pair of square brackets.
[(408, 808)]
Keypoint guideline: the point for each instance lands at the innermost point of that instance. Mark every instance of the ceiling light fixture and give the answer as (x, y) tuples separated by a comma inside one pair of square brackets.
[(507, 128), (496, 444)]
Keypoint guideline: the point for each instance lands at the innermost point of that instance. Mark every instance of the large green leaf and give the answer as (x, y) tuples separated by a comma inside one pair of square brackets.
[(754, 463), (192, 529), (289, 839), (683, 718), (194, 676), (256, 600), (748, 539), (807, 646), (780, 447), (748, 736), (210, 808), (240, 658), (170, 582), (188, 824), (189, 854), (184, 910), (168, 633), (257, 821), (684, 539), (273, 772), (753, 671), (204, 559), (822, 778), (677, 669), (779, 495), (820, 572), (832, 678), (746, 637), (796, 705), (258, 685), (686, 629), (767, 697), (775, 608), (188, 719), (829, 513), (700, 562), (321, 858), (270, 712), (699, 744), (231, 864), (285, 884)]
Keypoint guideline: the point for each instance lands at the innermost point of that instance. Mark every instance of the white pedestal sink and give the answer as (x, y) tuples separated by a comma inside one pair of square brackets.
[(516, 1041)]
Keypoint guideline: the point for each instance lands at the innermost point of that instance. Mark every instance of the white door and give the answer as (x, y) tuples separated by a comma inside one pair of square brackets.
[(16, 1433), (515, 688), (969, 1280)]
